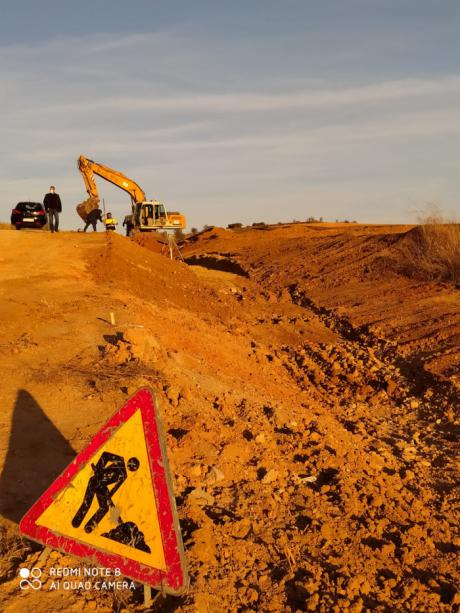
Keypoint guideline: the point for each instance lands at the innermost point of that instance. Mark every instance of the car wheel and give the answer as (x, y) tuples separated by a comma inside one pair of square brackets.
[(18, 227)]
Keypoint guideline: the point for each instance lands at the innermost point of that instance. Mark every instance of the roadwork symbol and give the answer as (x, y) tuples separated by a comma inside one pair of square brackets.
[(114, 503)]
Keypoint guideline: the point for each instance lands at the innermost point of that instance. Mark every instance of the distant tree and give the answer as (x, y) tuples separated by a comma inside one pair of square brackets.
[(207, 227), (194, 230), (178, 234), (321, 220), (234, 226)]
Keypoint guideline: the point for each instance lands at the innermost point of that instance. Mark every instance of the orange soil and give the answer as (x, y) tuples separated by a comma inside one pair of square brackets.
[(309, 396)]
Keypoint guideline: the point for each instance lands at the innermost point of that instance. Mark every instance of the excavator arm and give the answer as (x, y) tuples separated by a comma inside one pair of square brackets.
[(88, 169)]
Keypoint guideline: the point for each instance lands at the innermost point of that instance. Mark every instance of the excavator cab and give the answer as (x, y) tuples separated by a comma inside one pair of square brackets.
[(150, 215)]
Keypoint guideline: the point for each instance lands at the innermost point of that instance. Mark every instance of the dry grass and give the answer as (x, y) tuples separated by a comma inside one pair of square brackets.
[(431, 250)]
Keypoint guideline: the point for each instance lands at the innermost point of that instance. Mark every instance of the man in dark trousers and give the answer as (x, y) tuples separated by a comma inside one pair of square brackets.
[(93, 217), (53, 207)]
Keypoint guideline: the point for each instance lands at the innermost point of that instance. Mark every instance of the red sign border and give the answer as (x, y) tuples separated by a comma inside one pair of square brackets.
[(172, 581)]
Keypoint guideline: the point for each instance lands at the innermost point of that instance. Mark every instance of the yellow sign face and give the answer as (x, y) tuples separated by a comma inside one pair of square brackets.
[(110, 503)]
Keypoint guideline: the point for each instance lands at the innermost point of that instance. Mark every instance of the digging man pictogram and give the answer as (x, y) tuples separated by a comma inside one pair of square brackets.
[(110, 470)]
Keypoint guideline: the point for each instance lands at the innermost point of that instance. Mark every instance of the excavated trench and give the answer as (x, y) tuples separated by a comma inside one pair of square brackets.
[(215, 262)]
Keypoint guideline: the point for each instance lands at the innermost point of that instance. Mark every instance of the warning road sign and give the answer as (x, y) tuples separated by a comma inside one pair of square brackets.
[(114, 506)]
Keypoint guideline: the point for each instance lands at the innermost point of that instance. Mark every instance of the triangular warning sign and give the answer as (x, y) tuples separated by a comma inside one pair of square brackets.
[(114, 506)]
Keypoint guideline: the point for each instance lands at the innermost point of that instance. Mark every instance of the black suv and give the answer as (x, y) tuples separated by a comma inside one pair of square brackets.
[(28, 214)]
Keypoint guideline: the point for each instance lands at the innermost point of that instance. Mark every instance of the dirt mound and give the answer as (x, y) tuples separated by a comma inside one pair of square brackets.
[(209, 234)]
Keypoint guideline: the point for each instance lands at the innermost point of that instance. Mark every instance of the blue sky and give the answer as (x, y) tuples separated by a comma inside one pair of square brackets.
[(235, 111)]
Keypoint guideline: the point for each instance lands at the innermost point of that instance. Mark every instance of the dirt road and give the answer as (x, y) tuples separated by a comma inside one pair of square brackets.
[(312, 448)]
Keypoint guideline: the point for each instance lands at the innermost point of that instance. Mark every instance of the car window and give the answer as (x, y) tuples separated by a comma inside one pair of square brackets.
[(28, 206)]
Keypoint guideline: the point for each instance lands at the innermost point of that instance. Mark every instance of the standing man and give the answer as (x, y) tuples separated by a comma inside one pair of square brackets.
[(53, 207)]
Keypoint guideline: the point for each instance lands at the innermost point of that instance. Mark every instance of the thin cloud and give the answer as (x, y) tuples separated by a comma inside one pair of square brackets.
[(379, 93), (196, 137)]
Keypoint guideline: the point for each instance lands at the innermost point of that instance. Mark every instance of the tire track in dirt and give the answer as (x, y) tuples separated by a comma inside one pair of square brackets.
[(435, 399), (444, 392)]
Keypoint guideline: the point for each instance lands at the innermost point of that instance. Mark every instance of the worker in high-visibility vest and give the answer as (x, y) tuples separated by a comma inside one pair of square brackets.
[(110, 222)]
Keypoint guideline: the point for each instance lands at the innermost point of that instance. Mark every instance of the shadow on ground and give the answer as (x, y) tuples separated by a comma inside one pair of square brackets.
[(37, 454)]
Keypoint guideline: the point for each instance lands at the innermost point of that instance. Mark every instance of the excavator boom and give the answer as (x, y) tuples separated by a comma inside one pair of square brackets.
[(88, 168)]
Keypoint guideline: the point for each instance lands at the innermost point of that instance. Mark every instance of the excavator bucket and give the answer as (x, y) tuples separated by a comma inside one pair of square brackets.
[(85, 207)]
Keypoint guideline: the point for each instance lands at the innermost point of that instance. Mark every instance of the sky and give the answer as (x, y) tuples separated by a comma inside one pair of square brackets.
[(241, 111)]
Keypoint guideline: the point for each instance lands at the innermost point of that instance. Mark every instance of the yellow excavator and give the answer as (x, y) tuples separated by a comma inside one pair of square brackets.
[(146, 215)]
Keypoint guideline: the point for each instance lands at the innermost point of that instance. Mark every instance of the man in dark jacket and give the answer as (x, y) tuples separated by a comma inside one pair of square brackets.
[(93, 217), (53, 207)]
